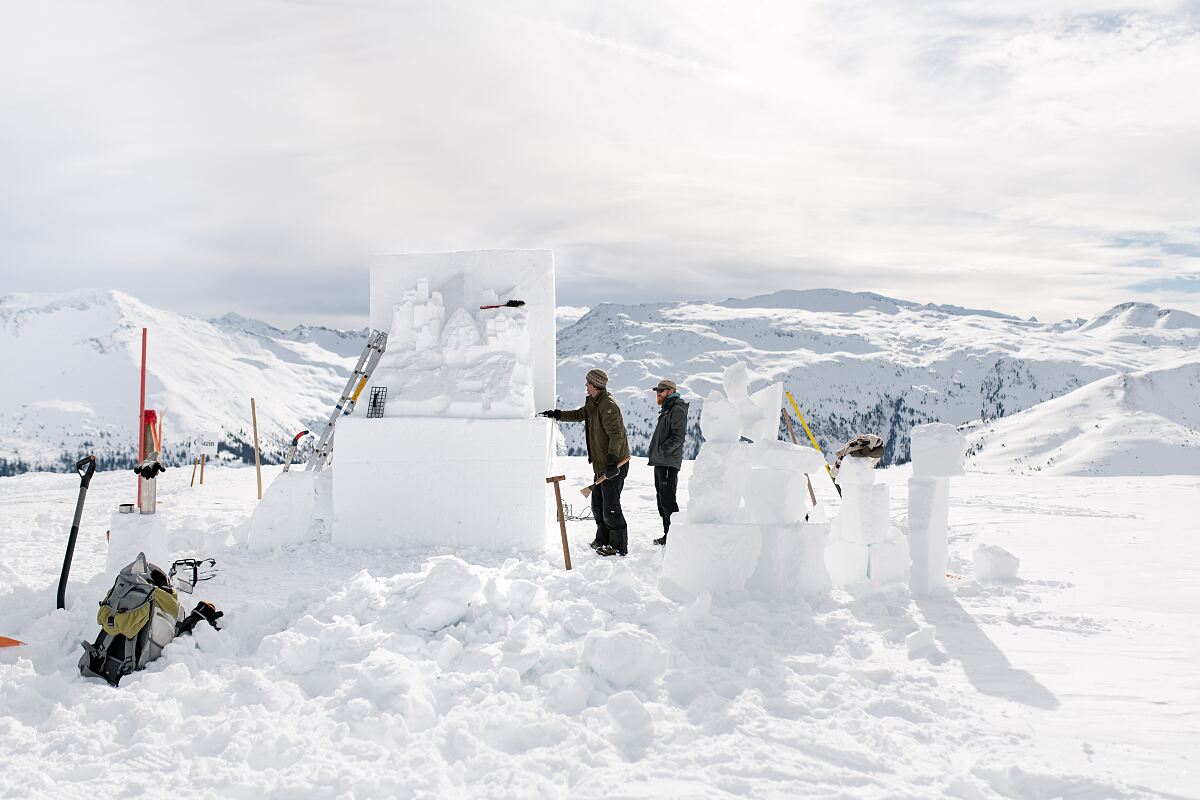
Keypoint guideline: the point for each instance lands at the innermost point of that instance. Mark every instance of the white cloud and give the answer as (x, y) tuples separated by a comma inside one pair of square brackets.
[(254, 154)]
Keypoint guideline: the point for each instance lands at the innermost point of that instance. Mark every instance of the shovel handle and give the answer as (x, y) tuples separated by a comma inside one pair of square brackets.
[(86, 477)]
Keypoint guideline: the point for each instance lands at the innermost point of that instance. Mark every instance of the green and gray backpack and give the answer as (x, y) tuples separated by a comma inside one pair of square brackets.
[(138, 617)]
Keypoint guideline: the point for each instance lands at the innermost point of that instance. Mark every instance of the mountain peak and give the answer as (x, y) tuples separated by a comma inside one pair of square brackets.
[(1141, 315)]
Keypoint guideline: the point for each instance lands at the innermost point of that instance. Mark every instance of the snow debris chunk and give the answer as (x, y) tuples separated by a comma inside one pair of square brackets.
[(443, 597), (994, 563), (629, 714), (921, 639), (625, 656)]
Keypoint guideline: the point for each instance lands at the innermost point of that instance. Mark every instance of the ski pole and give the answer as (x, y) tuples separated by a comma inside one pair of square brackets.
[(85, 478)]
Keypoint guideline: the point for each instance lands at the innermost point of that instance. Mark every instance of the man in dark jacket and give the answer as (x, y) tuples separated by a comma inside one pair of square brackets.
[(666, 450), (608, 452)]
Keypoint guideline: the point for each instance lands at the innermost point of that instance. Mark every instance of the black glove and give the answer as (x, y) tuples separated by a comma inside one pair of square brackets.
[(610, 468), (553, 413)]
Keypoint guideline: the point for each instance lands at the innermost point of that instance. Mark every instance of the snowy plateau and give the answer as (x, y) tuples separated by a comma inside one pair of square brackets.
[(1060, 662)]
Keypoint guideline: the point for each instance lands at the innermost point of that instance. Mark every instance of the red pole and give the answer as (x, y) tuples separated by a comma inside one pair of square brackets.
[(141, 434)]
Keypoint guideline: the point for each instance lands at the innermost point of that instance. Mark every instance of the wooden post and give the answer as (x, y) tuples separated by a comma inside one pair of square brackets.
[(257, 462), (195, 464), (201, 469), (792, 433), (562, 519)]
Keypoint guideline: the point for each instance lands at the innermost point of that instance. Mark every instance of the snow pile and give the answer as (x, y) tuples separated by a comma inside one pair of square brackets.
[(287, 512), (992, 563), (744, 529)]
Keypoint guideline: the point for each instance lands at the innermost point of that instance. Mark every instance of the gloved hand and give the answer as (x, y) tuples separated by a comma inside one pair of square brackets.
[(553, 413), (610, 467)]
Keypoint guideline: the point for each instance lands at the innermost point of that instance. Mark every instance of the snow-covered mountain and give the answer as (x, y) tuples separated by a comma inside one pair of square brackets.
[(861, 362), (1140, 423), (856, 363), (72, 366)]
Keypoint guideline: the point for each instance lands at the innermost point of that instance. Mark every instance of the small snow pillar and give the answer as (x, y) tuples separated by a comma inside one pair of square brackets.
[(937, 454)]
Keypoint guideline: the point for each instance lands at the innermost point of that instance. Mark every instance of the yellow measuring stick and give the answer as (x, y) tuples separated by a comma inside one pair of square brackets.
[(811, 438)]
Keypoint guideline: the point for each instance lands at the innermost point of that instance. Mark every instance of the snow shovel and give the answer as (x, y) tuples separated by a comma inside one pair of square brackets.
[(85, 478)]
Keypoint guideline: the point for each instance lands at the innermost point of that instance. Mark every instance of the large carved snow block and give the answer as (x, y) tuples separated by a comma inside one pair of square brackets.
[(422, 481), (718, 559), (937, 450), (791, 562), (928, 532), (863, 517), (417, 298)]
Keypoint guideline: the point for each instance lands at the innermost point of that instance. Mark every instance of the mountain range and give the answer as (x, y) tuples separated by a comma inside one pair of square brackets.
[(856, 362)]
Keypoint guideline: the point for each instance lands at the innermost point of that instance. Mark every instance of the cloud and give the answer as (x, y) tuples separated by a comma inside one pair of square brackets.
[(253, 155)]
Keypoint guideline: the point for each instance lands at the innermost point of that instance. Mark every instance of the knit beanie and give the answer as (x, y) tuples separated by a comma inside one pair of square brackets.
[(597, 378)]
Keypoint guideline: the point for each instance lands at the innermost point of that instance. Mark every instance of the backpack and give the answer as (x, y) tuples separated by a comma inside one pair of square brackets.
[(138, 617)]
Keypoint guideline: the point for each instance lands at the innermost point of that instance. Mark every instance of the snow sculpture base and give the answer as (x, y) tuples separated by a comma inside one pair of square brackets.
[(130, 534), (430, 481), (771, 561), (928, 532)]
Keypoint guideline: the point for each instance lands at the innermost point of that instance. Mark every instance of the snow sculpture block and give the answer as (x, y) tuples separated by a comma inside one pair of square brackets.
[(130, 534), (863, 518), (775, 496), (928, 531), (791, 562), (416, 299), (718, 481), (713, 558), (888, 560), (937, 450), (285, 515), (992, 563), (847, 562), (856, 471), (436, 482), (458, 457)]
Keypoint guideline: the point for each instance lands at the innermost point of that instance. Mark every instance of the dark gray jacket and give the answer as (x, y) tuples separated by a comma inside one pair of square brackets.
[(666, 445)]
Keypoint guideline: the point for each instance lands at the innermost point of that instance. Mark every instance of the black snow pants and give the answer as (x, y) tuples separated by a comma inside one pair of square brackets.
[(666, 481), (611, 529)]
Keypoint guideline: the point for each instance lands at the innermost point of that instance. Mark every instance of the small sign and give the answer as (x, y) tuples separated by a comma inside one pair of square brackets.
[(206, 444)]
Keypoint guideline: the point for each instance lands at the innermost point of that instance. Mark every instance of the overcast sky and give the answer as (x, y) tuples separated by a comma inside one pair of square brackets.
[(1031, 156)]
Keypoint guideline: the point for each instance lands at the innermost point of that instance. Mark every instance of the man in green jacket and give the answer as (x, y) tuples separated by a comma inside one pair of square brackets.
[(608, 452)]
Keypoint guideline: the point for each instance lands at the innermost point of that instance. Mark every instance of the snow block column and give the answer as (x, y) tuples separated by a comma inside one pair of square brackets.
[(937, 454)]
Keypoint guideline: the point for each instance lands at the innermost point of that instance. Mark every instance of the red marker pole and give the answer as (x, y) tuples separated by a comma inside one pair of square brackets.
[(141, 437)]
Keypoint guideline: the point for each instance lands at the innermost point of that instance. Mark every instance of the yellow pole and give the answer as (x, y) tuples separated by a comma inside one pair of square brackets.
[(811, 438)]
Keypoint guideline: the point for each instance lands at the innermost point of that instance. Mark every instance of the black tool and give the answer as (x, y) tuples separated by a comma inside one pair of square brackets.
[(85, 478)]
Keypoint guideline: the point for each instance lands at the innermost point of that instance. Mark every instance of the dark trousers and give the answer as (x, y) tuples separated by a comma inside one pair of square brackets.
[(666, 481), (611, 529)]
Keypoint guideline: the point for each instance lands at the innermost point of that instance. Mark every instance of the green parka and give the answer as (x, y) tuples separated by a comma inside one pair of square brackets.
[(604, 429)]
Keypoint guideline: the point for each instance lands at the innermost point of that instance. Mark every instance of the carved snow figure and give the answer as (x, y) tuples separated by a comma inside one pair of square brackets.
[(744, 529)]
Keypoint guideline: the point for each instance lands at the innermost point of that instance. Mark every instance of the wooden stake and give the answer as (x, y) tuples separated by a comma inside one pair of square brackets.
[(792, 433), (195, 464), (257, 462), (562, 518), (201, 469)]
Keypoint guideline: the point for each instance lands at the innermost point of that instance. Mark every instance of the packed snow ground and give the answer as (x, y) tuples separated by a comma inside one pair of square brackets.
[(398, 674)]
